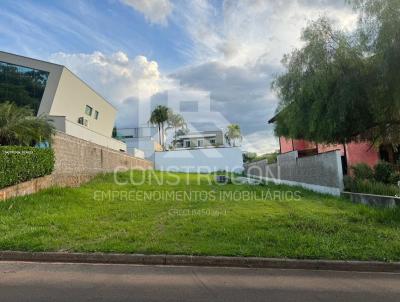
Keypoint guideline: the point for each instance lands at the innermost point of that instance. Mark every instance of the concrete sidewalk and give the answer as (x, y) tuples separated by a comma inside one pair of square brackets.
[(25, 281)]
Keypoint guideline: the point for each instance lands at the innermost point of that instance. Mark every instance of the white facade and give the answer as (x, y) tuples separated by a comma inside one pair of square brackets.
[(204, 139), (143, 138), (75, 108), (200, 160)]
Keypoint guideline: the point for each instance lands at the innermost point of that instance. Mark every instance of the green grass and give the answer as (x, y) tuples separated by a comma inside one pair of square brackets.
[(315, 226)]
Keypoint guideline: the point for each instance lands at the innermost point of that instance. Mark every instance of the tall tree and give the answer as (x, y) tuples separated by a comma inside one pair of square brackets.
[(233, 134), (340, 86), (18, 126), (379, 29), (323, 93), (159, 117), (176, 122)]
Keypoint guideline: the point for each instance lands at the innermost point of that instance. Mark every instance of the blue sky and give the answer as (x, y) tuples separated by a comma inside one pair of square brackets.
[(40, 28), (222, 54)]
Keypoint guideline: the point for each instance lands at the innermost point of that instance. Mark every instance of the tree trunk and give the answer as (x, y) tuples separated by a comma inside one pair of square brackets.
[(162, 136), (346, 168), (159, 133), (174, 144)]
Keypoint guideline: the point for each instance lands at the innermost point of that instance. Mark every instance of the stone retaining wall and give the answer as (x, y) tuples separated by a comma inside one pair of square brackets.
[(373, 200), (77, 156), (76, 162), (40, 183)]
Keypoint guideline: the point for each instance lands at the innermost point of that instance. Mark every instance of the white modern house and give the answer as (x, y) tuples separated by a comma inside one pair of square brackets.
[(201, 139), (140, 140), (52, 89), (200, 152)]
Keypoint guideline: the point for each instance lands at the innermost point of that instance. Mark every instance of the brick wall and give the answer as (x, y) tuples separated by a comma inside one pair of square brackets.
[(77, 161), (77, 156), (40, 183)]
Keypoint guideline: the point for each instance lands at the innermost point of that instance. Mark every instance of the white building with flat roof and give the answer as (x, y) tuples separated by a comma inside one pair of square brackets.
[(73, 106), (140, 138), (203, 139)]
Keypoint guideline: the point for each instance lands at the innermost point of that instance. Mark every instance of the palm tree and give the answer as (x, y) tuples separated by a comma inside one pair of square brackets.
[(158, 117), (233, 134), (19, 126), (176, 121)]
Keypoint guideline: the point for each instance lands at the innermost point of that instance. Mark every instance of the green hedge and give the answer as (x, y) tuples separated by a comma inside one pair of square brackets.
[(19, 164)]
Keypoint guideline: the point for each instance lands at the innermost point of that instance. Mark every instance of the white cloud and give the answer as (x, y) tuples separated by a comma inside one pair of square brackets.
[(156, 11), (245, 30), (121, 80), (261, 142), (237, 52)]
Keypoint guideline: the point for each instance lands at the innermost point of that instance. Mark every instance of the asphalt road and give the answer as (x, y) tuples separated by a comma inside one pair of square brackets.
[(95, 282)]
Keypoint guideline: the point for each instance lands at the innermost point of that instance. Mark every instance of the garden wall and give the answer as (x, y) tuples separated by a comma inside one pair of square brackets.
[(40, 183), (321, 173), (76, 162), (373, 200), (77, 156)]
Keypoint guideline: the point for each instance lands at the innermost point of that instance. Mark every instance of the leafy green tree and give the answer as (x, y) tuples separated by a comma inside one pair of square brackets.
[(340, 86), (233, 135), (249, 156), (159, 117), (323, 94), (18, 126), (379, 31)]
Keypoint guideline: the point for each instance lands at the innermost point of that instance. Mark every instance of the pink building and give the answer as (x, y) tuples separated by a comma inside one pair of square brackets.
[(352, 153)]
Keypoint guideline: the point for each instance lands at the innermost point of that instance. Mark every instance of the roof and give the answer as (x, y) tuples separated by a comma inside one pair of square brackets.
[(273, 119), (197, 135)]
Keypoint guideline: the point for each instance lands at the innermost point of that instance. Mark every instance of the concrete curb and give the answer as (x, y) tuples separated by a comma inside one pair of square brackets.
[(213, 261)]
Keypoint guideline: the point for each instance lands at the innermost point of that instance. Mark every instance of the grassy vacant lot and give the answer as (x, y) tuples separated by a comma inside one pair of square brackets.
[(209, 220)]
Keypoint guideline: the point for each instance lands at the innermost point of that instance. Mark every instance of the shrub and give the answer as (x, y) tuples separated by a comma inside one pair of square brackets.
[(370, 187), (362, 171), (18, 164), (384, 172)]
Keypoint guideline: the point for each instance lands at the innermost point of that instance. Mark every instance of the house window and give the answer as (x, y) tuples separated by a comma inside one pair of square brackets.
[(88, 110), (200, 143), (212, 141), (22, 86), (96, 115), (187, 144)]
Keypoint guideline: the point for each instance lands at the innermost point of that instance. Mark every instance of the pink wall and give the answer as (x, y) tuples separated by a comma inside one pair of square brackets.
[(361, 153), (327, 148), (287, 145), (303, 145), (356, 152)]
